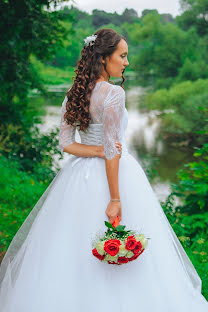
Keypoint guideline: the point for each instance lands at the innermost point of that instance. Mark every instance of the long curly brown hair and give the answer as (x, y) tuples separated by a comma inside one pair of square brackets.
[(89, 69)]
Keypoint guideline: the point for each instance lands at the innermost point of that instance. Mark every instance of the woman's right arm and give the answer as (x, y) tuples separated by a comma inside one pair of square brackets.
[(114, 207), (112, 121)]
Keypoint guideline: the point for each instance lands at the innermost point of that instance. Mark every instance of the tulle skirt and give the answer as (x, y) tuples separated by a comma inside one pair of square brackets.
[(49, 265)]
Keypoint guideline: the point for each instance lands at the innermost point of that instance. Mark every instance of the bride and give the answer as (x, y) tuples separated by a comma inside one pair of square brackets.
[(49, 266)]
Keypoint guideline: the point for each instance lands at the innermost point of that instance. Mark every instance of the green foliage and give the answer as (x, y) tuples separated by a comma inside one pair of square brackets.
[(34, 153), (67, 55), (165, 17), (32, 29), (182, 110), (117, 232), (193, 183), (73, 14), (191, 230), (175, 96), (51, 75), (192, 70), (163, 53), (100, 17), (194, 15), (129, 16), (19, 192), (162, 48), (189, 219)]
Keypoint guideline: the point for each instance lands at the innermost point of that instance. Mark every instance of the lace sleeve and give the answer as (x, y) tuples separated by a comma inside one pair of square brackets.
[(66, 132), (112, 120)]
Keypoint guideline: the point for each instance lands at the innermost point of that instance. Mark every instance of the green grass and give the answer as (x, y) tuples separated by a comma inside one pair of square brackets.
[(52, 75)]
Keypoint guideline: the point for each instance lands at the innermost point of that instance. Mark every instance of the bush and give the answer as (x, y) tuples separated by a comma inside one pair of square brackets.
[(192, 231), (33, 151), (182, 109), (189, 220), (193, 183), (19, 192), (193, 70)]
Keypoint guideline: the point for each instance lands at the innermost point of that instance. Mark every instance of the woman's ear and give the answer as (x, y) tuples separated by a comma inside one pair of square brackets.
[(102, 60)]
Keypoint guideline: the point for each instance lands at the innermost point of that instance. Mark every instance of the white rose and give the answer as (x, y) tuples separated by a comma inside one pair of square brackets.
[(139, 237), (144, 242), (129, 254), (100, 247), (122, 250), (111, 258)]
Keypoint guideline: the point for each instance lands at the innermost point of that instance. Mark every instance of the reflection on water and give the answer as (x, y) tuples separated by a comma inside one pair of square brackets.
[(141, 138)]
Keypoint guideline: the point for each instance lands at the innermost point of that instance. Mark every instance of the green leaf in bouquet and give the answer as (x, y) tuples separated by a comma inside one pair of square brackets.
[(120, 228), (109, 225)]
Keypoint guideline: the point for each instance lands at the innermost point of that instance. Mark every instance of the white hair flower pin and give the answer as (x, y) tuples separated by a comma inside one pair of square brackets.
[(90, 40)]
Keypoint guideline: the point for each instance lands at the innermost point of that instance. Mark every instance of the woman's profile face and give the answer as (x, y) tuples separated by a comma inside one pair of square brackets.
[(116, 62)]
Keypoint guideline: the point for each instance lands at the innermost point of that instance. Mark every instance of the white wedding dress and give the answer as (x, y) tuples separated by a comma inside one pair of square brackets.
[(49, 266)]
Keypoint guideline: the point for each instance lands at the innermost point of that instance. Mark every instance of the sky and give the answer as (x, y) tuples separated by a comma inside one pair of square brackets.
[(163, 6)]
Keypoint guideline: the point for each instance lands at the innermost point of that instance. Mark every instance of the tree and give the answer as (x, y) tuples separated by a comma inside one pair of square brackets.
[(27, 27), (129, 16), (162, 49), (167, 18), (147, 11), (195, 14), (100, 17)]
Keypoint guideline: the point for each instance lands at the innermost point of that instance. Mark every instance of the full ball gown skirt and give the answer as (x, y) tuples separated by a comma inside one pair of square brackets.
[(49, 266)]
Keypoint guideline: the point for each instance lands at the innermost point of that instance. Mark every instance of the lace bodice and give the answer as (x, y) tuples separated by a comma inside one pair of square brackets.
[(108, 123)]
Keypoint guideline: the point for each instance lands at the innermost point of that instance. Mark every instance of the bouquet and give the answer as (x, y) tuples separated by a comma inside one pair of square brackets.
[(118, 245)]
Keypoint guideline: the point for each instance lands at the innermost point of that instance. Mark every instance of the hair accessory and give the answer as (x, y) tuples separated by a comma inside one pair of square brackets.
[(90, 40)]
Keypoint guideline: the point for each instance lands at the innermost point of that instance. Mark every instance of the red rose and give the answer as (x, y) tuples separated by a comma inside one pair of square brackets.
[(112, 246), (134, 257), (141, 251), (137, 248), (130, 242), (96, 254), (123, 260), (112, 262)]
